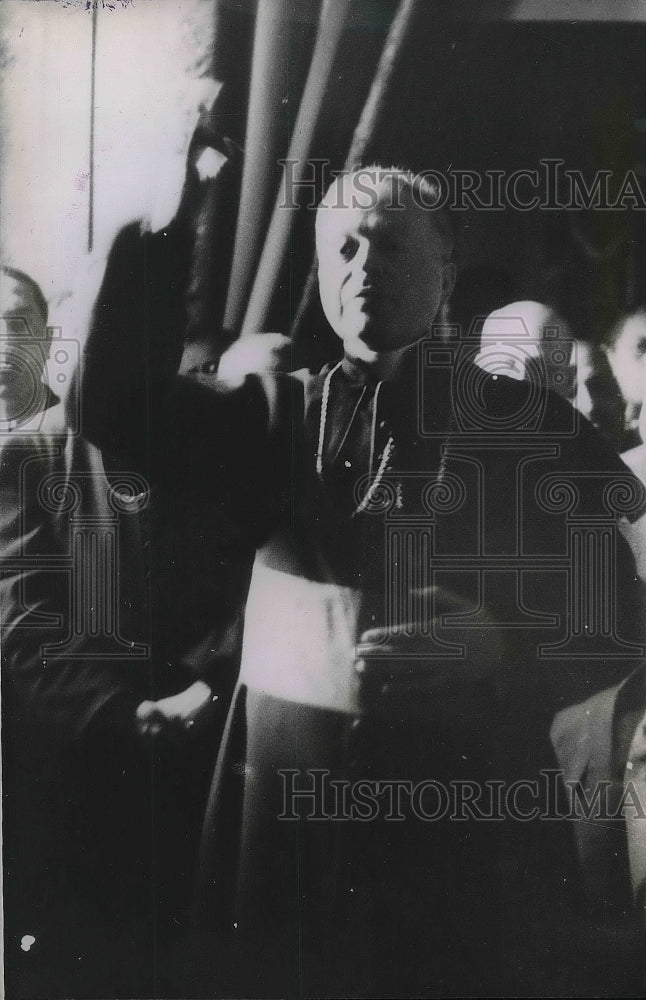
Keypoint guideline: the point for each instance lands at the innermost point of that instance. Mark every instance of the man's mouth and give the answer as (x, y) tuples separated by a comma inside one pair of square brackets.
[(366, 295)]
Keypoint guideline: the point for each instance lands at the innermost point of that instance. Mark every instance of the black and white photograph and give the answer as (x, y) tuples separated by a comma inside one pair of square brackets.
[(323, 499)]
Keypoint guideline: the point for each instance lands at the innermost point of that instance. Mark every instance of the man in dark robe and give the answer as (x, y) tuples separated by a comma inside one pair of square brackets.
[(415, 617)]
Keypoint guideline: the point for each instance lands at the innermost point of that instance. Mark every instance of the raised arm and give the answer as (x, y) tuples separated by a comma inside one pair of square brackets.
[(134, 343), (142, 414)]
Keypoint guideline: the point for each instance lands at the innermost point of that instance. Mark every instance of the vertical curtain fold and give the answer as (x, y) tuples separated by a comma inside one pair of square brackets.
[(268, 83), (331, 23)]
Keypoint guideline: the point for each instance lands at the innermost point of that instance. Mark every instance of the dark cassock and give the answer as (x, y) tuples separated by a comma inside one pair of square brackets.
[(398, 898), (377, 820)]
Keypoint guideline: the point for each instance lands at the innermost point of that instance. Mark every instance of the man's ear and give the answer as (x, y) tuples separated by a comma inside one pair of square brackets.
[(449, 273)]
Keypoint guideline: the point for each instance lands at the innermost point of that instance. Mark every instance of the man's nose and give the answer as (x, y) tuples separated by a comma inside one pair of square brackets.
[(368, 258)]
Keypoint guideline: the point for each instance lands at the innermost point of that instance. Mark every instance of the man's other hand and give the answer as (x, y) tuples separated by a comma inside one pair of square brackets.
[(178, 714), (457, 641)]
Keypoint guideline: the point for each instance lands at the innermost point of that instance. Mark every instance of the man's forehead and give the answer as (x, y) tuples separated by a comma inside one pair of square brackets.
[(367, 190), (377, 208), (20, 315), (634, 327), (15, 295)]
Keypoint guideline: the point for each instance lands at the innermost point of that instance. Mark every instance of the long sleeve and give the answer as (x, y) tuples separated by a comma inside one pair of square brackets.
[(175, 429), (135, 341)]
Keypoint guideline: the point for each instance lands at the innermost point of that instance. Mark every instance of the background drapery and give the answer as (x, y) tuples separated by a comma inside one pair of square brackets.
[(431, 86), (100, 101)]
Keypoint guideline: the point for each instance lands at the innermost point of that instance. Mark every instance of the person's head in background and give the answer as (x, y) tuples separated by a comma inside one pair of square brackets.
[(626, 350), (598, 396), (24, 345), (384, 261), (528, 340), (635, 459)]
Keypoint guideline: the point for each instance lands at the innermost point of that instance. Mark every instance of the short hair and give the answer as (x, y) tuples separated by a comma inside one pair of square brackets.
[(617, 326), (424, 189), (39, 298)]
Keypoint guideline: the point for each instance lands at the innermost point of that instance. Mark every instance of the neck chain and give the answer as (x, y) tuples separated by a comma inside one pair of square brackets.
[(385, 456)]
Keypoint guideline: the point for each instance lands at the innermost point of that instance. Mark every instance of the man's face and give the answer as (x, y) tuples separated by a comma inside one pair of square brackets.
[(23, 342), (383, 271), (627, 357)]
